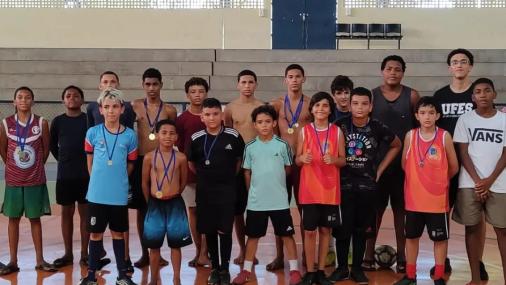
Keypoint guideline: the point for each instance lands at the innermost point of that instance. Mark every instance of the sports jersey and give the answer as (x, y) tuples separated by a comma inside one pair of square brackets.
[(453, 105), (24, 167), (67, 137), (186, 125), (109, 183), (216, 182), (426, 183), (94, 117), (486, 139), (319, 182), (267, 161)]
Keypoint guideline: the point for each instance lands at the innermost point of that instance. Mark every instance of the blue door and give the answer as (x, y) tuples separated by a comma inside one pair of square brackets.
[(320, 24), (287, 24)]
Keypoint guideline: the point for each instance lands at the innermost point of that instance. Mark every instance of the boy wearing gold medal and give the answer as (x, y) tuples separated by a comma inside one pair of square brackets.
[(164, 174)]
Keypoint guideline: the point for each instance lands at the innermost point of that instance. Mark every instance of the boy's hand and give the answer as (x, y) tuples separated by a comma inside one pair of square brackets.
[(329, 159), (483, 185), (306, 157)]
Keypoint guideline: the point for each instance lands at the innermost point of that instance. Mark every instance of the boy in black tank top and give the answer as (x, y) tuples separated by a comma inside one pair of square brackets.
[(392, 105)]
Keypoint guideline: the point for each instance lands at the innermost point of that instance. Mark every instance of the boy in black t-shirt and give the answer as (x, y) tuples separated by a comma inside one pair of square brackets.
[(363, 137), (215, 157), (68, 132)]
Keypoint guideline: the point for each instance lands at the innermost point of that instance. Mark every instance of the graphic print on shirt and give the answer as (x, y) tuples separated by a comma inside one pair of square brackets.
[(455, 110), (486, 135), (356, 148)]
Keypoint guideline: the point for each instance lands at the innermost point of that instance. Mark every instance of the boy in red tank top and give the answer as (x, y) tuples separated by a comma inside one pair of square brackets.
[(429, 161)]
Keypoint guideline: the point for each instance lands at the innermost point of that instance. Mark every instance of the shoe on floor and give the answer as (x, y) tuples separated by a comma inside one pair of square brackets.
[(340, 274), (214, 277), (241, 278), (406, 281), (358, 276)]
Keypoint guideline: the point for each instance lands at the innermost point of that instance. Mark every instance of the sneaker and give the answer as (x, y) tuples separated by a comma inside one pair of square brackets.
[(406, 281), (241, 278), (86, 281), (295, 277), (340, 274), (483, 272), (308, 279), (214, 277), (322, 279), (224, 277), (448, 268), (129, 268), (358, 276), (440, 281), (330, 259), (125, 281)]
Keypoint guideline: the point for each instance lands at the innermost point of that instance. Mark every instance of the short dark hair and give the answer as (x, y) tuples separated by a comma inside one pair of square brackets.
[(246, 72), (317, 97), (160, 123), (394, 57), (361, 91), (24, 88), (79, 90), (341, 83), (108, 72), (427, 101), (483, 80), (196, 81), (211, 103), (294, 66), (152, 73), (266, 109), (463, 51)]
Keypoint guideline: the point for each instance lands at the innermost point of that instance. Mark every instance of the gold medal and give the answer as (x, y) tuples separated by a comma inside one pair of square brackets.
[(290, 131), (159, 194), (152, 137)]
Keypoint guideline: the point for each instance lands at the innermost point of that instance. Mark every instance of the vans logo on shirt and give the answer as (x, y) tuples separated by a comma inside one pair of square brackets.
[(228, 147), (486, 135)]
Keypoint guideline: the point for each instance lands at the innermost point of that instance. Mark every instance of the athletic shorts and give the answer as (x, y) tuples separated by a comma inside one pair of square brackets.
[(359, 214), (188, 195), (437, 225), (214, 218), (32, 201), (136, 199), (166, 218), (241, 199), (292, 182), (468, 210), (101, 215), (453, 189), (319, 215), (391, 188), (257, 221), (70, 191)]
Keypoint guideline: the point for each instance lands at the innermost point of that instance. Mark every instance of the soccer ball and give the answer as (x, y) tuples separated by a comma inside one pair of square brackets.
[(385, 256)]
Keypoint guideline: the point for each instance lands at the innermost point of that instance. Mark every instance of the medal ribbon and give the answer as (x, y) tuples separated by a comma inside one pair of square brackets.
[(420, 157), (322, 151), (109, 155), (22, 134), (295, 117), (152, 125), (166, 168), (207, 153)]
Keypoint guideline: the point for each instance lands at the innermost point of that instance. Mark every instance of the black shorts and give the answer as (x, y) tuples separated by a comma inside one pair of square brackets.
[(136, 199), (454, 187), (391, 187), (256, 223), (319, 215), (437, 225), (100, 215), (70, 191), (212, 219), (359, 214), (293, 181), (241, 198)]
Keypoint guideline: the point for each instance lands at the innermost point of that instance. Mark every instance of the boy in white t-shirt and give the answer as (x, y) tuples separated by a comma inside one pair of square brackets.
[(480, 135)]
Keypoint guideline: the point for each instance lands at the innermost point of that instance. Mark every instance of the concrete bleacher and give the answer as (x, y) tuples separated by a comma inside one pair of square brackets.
[(48, 71)]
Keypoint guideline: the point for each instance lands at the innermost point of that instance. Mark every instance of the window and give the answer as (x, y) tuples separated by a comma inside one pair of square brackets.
[(425, 3)]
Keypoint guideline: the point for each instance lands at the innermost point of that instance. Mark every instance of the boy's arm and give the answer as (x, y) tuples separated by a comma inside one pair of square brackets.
[(45, 139), (484, 184), (130, 167), (229, 122), (3, 143), (275, 103), (247, 178), (341, 160), (171, 112), (89, 161), (407, 144), (183, 169), (53, 141), (89, 116), (146, 177), (192, 168), (395, 148), (451, 156)]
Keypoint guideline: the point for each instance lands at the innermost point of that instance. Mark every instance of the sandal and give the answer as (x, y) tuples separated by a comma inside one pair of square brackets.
[(83, 261), (63, 261), (369, 265), (47, 267), (193, 262), (275, 265), (102, 263), (8, 269)]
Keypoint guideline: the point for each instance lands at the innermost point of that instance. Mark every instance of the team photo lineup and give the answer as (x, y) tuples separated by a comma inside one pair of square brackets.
[(335, 160)]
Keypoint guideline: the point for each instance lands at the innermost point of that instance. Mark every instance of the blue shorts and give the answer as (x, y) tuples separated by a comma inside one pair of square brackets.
[(166, 218)]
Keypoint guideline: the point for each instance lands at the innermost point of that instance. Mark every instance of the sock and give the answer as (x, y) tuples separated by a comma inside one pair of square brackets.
[(95, 248), (411, 271), (119, 253), (294, 266), (342, 250), (439, 271), (331, 244), (225, 250), (212, 246), (248, 265), (358, 250)]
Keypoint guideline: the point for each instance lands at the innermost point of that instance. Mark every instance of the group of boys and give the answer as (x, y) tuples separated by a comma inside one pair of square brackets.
[(341, 153)]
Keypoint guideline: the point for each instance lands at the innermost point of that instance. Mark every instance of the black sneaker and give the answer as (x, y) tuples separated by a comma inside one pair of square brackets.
[(214, 277), (340, 274), (308, 279), (224, 277), (322, 279), (448, 268), (358, 276), (483, 272), (406, 281), (86, 281), (125, 281), (440, 281), (129, 268)]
